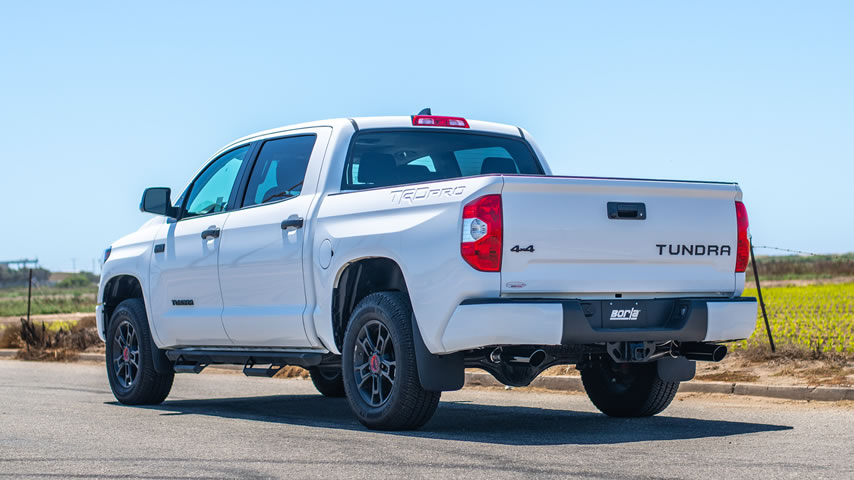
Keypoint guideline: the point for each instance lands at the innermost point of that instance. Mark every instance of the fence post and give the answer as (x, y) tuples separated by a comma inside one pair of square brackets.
[(29, 294), (761, 301), (29, 300)]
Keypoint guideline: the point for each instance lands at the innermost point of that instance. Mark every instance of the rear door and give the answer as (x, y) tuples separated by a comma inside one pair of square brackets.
[(261, 256), (667, 237)]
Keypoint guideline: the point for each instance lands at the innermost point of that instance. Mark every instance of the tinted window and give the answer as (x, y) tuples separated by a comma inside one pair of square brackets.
[(386, 158), (472, 161), (279, 170), (212, 189)]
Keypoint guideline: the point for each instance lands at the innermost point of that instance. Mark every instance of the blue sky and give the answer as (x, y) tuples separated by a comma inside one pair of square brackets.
[(98, 102)]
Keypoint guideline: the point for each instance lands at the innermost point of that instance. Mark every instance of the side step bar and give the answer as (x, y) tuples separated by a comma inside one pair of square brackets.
[(194, 361)]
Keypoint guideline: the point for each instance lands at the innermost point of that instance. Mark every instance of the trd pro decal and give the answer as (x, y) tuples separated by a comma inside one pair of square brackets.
[(411, 195)]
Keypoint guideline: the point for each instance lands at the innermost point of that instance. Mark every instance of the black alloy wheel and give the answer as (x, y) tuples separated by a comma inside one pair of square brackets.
[(126, 355), (374, 363)]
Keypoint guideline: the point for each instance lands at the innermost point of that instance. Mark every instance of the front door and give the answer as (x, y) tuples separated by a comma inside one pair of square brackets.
[(261, 256), (186, 301)]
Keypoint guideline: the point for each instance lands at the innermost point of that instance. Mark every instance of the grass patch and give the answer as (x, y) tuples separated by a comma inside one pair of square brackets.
[(737, 376), (10, 336), (44, 304), (291, 371), (54, 341), (21, 292), (791, 267), (48, 300)]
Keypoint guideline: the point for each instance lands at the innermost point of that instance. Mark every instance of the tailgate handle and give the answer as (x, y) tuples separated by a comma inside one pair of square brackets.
[(626, 211)]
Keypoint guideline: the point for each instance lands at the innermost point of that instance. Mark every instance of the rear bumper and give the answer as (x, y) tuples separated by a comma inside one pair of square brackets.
[(484, 322)]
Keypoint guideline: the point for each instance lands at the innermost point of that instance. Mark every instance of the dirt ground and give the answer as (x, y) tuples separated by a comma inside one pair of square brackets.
[(740, 368), (53, 317)]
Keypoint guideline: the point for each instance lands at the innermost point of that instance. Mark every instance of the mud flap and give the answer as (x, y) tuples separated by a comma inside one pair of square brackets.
[(678, 369), (437, 373), (162, 365)]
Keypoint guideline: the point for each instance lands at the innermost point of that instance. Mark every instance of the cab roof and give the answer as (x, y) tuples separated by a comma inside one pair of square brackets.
[(365, 123)]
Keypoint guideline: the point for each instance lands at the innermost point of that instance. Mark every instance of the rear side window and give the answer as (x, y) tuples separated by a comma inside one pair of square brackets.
[(280, 170), (392, 157)]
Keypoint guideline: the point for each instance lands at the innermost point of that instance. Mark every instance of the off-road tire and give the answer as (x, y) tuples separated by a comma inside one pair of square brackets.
[(627, 390), (148, 386), (327, 381), (408, 406)]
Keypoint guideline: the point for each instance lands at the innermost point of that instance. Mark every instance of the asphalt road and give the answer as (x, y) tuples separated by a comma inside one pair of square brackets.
[(61, 421)]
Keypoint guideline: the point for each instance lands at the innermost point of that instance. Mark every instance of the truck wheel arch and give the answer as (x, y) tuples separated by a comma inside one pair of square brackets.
[(360, 278), (122, 287), (118, 289)]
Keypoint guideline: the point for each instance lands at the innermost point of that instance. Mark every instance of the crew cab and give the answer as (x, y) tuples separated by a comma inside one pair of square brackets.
[(388, 254)]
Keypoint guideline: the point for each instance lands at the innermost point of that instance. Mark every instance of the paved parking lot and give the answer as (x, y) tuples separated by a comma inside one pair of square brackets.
[(60, 420)]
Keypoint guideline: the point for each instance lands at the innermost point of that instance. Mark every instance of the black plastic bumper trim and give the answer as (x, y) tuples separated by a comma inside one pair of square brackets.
[(578, 330)]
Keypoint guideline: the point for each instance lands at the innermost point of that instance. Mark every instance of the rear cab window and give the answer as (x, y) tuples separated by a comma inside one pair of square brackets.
[(384, 158)]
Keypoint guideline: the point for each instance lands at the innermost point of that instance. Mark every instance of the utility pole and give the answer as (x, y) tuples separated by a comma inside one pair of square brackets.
[(73, 265)]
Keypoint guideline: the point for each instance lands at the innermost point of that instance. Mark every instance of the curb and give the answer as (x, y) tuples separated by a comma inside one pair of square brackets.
[(563, 383)]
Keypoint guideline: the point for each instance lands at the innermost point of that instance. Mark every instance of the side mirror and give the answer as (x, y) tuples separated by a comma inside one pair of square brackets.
[(158, 200)]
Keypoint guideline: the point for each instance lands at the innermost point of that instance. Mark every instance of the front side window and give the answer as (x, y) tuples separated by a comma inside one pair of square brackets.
[(212, 188), (384, 158), (280, 170)]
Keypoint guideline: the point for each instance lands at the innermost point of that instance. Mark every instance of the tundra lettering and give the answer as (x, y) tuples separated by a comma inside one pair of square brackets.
[(694, 249)]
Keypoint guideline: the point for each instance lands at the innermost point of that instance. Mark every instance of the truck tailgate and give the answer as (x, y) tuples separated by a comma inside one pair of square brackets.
[(664, 237)]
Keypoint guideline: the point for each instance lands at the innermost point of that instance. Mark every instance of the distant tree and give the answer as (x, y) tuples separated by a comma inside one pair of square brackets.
[(76, 280), (9, 277)]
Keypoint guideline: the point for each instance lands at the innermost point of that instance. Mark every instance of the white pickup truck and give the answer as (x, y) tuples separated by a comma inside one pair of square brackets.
[(386, 255)]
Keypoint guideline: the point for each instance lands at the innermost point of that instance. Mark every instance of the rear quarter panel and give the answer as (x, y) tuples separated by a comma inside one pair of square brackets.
[(417, 226)]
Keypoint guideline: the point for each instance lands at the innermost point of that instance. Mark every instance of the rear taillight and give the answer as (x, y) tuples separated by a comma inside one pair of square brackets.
[(482, 234), (437, 121), (742, 251)]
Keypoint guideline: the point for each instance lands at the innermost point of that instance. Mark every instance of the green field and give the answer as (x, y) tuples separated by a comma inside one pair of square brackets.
[(813, 319), (21, 292), (46, 300)]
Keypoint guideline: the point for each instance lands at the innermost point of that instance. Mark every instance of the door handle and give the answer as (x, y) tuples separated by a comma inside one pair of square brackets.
[(211, 232), (292, 223), (626, 211)]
